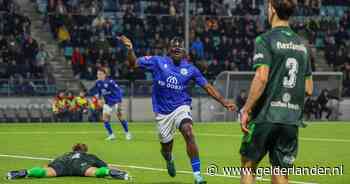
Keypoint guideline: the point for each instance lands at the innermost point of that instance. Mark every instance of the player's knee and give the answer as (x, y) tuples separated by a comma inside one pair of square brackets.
[(106, 117), (120, 116), (246, 163), (186, 130)]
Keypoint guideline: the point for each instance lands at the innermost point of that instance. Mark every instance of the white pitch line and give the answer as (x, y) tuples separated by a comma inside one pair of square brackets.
[(146, 168), (151, 132)]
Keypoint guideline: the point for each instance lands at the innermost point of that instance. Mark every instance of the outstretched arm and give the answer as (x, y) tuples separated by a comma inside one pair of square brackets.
[(210, 89), (131, 57)]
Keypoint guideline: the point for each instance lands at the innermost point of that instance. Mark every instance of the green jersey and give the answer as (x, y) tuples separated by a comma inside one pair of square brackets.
[(75, 163), (287, 57)]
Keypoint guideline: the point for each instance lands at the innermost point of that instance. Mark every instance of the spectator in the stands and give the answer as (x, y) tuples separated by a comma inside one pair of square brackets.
[(341, 58), (71, 106), (330, 52), (41, 59), (214, 69), (30, 49), (60, 107), (3, 69), (90, 74), (78, 61), (197, 46), (82, 105), (341, 36), (346, 78), (95, 109)]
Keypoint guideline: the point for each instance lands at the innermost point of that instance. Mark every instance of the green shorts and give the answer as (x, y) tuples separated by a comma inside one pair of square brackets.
[(279, 140), (64, 168)]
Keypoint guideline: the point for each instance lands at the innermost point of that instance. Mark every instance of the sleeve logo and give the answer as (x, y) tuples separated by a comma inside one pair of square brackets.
[(258, 56)]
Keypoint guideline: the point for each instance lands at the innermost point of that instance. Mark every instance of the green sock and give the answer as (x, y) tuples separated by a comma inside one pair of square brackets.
[(37, 172), (102, 172)]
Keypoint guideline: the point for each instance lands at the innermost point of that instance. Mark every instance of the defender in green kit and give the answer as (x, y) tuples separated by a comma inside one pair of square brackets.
[(75, 163), (274, 108)]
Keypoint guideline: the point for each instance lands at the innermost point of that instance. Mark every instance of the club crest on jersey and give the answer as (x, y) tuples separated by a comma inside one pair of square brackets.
[(171, 80), (165, 66), (184, 71), (105, 85)]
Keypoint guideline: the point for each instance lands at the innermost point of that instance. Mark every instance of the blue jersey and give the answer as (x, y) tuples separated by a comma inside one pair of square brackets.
[(109, 90), (170, 82)]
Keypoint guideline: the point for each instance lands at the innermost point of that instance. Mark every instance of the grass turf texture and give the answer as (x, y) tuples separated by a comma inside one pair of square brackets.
[(323, 144)]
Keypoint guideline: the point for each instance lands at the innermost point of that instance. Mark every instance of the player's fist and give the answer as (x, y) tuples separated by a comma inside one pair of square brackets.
[(230, 106), (126, 41)]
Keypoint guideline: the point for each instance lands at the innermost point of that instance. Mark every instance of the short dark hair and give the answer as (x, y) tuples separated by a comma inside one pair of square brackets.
[(80, 147), (102, 70), (284, 8)]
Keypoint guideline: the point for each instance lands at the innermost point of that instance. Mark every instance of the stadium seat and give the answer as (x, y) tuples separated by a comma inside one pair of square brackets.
[(2, 113), (35, 113), (11, 113), (46, 113), (22, 113)]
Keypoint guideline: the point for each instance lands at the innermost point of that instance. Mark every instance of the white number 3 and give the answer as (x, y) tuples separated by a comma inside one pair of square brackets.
[(291, 79)]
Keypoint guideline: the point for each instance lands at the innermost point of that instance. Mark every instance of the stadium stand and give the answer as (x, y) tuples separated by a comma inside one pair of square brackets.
[(230, 29), (222, 37)]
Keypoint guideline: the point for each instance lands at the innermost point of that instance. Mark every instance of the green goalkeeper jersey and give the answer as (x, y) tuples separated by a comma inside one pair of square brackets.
[(287, 57)]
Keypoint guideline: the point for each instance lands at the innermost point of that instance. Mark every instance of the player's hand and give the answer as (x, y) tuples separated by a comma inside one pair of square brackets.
[(244, 120), (126, 41), (230, 106)]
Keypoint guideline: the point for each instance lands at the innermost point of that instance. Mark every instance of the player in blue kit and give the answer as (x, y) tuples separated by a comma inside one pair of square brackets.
[(171, 101), (110, 91)]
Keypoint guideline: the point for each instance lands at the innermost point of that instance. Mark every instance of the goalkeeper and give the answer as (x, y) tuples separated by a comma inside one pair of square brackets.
[(75, 163)]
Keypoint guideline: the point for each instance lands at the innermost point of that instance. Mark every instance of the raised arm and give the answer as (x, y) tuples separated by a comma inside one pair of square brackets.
[(210, 89), (131, 57)]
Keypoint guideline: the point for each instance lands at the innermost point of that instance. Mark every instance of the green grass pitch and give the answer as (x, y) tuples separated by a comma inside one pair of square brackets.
[(323, 144)]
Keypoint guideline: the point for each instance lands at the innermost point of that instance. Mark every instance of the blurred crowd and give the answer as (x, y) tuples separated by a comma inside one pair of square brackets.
[(22, 58), (220, 40), (68, 107)]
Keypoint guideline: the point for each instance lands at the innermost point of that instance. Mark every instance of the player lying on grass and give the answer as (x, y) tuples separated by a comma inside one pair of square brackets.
[(274, 109), (75, 163), (171, 102), (111, 93)]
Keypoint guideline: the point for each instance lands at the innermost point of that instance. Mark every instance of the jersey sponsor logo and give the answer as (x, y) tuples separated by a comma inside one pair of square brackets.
[(258, 56), (291, 46), (287, 105), (165, 66), (184, 71), (104, 92), (171, 82)]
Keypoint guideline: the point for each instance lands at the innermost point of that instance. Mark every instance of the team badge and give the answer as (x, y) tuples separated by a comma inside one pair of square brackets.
[(105, 85), (286, 97), (184, 71), (165, 66)]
